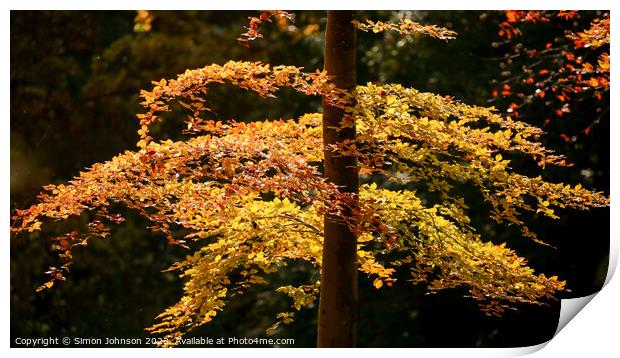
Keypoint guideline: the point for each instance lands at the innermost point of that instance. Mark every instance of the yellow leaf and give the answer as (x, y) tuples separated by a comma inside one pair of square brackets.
[(35, 226), (48, 284), (377, 283)]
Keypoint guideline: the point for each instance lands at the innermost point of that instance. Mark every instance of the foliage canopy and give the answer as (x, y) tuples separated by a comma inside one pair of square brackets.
[(253, 196)]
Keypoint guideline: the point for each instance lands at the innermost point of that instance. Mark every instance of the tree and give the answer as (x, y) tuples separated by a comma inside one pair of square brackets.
[(338, 302), (254, 197)]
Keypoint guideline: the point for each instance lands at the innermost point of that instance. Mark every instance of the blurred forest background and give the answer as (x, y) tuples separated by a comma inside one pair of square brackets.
[(75, 79)]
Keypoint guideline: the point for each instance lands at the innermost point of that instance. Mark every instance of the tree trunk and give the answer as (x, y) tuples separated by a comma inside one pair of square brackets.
[(338, 299)]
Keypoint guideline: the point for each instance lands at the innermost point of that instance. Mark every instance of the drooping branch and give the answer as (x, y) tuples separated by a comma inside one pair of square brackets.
[(405, 27), (253, 29)]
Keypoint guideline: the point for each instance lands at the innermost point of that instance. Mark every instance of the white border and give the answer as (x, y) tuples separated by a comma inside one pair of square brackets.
[(312, 5)]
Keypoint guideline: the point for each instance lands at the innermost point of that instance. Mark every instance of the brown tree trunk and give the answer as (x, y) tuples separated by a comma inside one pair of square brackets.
[(338, 300)]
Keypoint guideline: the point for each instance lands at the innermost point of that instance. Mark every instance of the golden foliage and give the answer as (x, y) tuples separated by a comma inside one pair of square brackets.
[(440, 143), (254, 196), (406, 26), (595, 76), (595, 36)]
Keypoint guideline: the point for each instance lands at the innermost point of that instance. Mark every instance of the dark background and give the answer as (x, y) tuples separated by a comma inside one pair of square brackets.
[(75, 79)]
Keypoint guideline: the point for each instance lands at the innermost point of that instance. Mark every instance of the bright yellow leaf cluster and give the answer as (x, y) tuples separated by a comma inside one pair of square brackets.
[(440, 143)]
